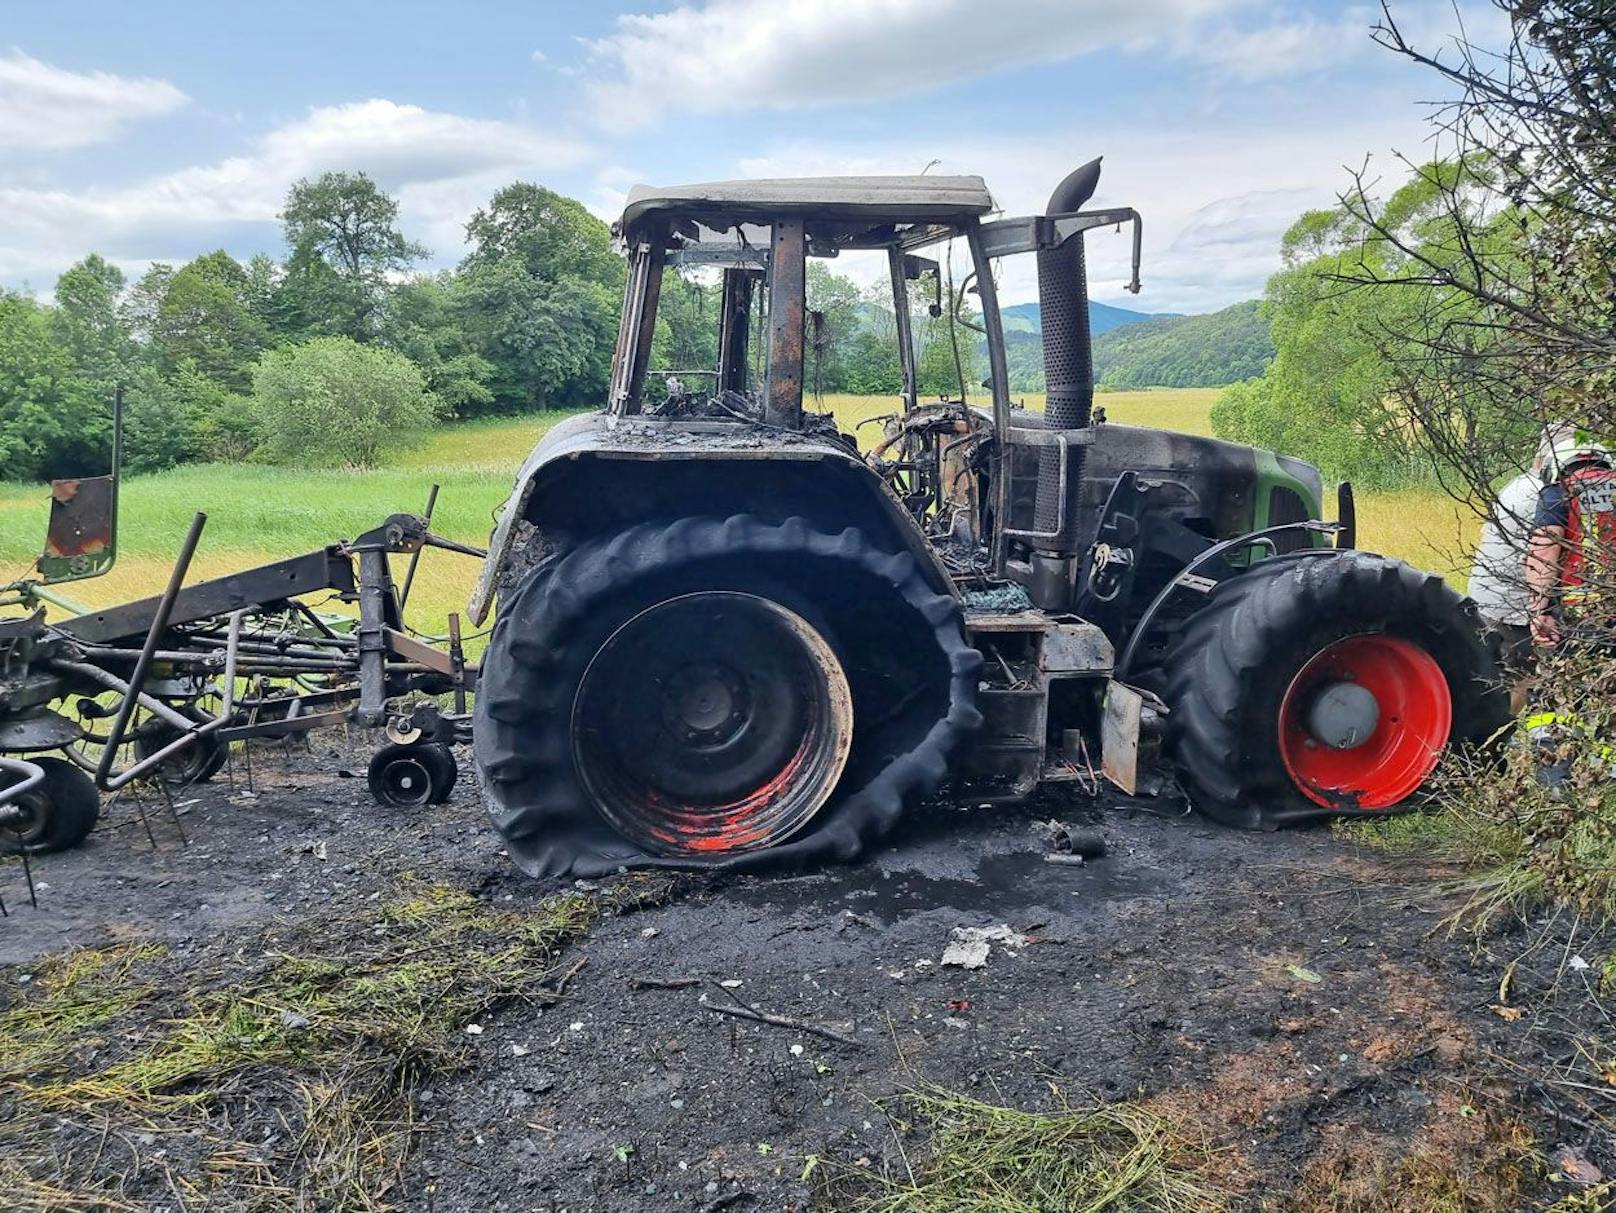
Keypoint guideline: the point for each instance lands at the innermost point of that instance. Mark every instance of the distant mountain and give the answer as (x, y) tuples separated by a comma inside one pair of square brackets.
[(1186, 351), (1028, 318), (1158, 351)]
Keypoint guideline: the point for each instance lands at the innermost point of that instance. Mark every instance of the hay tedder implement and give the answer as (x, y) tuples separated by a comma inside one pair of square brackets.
[(159, 689)]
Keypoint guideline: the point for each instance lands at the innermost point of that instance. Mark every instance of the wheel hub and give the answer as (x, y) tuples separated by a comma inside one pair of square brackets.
[(712, 722), (1364, 721), (407, 782), (1343, 715), (706, 704)]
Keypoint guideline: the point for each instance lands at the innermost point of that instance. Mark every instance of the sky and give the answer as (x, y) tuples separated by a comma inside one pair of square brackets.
[(158, 132)]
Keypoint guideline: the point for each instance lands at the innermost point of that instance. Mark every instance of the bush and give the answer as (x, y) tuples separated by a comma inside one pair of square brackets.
[(334, 402)]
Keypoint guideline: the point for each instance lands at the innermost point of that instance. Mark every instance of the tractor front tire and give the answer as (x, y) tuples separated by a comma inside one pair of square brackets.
[(717, 692), (1325, 685)]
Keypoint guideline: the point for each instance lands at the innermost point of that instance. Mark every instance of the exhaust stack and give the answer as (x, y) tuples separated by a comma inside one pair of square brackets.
[(1063, 296)]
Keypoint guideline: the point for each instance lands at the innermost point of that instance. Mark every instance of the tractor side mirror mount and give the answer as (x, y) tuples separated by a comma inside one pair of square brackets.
[(915, 268)]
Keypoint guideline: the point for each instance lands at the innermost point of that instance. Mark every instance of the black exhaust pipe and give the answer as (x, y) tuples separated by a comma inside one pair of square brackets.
[(1063, 297)]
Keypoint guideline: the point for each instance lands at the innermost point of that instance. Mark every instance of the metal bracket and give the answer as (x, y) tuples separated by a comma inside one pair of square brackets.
[(1026, 436), (1008, 237), (1061, 438)]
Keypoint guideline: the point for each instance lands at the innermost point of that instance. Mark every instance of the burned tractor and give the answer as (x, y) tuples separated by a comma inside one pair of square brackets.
[(727, 636)]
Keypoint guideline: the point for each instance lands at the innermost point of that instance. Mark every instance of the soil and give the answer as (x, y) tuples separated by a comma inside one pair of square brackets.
[(1287, 997)]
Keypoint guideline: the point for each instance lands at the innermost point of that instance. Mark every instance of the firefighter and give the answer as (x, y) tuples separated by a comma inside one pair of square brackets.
[(1497, 581), (1571, 563)]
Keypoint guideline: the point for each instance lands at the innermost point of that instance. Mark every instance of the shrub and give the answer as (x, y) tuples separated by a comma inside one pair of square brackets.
[(334, 402)]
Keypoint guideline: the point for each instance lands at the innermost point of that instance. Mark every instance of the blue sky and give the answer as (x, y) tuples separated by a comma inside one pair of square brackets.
[(160, 131)]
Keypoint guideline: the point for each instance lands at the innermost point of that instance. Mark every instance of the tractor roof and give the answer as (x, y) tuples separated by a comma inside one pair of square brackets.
[(835, 200)]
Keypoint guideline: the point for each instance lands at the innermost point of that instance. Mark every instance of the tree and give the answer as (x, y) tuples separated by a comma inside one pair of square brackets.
[(205, 319), (88, 323), (1331, 393), (1497, 290), (549, 344), (334, 402), (686, 335), (52, 421), (539, 295), (140, 303), (348, 222), (840, 304), (423, 322), (551, 235), (344, 239), (157, 425)]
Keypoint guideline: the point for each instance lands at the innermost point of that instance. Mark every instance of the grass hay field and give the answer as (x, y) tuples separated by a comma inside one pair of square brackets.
[(258, 513)]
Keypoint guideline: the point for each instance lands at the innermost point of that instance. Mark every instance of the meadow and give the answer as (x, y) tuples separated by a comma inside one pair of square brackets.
[(258, 513)]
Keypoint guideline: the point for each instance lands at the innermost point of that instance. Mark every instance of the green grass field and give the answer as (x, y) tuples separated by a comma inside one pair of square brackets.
[(257, 513)]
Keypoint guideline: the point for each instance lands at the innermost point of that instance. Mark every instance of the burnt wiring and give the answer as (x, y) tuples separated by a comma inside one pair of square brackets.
[(928, 459)]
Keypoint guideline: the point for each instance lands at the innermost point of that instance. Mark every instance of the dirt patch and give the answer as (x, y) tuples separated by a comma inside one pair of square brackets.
[(1176, 974)]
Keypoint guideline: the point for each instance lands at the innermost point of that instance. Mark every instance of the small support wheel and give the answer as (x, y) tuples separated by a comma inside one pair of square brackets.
[(196, 763), (401, 776), (442, 768), (53, 816)]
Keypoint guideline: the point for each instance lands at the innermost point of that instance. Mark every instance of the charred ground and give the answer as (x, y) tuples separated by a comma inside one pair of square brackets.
[(1284, 1004)]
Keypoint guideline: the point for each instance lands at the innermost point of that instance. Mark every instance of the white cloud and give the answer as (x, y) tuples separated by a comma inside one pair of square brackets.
[(50, 108), (1215, 203), (440, 166), (732, 55), (1304, 44), (741, 54)]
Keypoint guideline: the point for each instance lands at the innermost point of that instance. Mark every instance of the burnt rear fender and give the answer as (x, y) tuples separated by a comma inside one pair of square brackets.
[(595, 474)]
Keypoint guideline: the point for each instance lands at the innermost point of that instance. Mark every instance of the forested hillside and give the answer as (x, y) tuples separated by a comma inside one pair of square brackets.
[(1160, 351), (1103, 317), (1186, 351)]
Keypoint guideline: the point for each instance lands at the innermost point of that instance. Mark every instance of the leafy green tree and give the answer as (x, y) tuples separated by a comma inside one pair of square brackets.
[(840, 304), (138, 310), (686, 337), (334, 402), (424, 322), (205, 320), (345, 244), (1330, 394), (549, 344), (158, 427), (88, 324), (551, 235), (52, 421), (539, 295)]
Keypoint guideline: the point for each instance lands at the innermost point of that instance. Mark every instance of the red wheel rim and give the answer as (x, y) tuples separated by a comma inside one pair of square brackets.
[(1415, 714)]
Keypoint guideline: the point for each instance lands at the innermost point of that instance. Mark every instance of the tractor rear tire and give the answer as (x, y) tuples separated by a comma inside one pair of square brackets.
[(717, 692), (1326, 685), (57, 814)]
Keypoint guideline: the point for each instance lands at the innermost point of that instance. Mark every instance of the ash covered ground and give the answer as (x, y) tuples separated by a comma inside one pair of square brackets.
[(1288, 999)]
